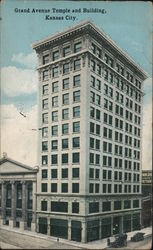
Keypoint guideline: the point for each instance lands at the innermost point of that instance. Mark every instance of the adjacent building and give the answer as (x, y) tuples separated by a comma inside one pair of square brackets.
[(90, 136), (146, 182), (147, 198), (17, 194)]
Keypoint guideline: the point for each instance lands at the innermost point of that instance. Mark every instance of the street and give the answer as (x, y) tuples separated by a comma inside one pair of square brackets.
[(13, 240)]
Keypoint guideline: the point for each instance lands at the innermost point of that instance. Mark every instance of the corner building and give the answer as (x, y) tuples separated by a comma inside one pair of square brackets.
[(90, 118)]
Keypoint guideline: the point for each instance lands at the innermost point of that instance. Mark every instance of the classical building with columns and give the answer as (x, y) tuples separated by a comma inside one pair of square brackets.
[(17, 194), (90, 136)]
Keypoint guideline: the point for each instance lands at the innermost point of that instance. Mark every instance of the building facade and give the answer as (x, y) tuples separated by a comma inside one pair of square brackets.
[(90, 133), (17, 194), (147, 183)]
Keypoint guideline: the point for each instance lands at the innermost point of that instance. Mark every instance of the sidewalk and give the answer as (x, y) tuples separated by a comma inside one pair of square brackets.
[(99, 244)]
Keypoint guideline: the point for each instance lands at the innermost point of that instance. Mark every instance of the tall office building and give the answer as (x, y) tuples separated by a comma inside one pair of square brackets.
[(90, 133)]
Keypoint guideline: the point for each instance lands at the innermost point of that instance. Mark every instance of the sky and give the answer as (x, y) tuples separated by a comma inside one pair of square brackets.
[(129, 24)]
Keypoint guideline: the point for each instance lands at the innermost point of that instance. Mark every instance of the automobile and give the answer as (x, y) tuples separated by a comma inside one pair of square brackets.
[(120, 241), (138, 237)]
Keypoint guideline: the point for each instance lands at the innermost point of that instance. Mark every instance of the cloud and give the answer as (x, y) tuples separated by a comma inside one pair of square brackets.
[(147, 137), (29, 60), (18, 139), (17, 81)]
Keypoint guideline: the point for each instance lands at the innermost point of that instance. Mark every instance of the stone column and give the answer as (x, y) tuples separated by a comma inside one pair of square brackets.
[(33, 224), (69, 229), (23, 221), (3, 216), (13, 204), (84, 232)]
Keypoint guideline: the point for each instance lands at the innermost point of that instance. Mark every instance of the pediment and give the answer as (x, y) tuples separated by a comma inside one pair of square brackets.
[(9, 166)]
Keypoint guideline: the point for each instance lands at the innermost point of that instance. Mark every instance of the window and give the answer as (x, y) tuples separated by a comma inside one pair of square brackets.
[(54, 173), (75, 187), (44, 160), (45, 132), (55, 55), (98, 99), (98, 69), (45, 118), (92, 81), (92, 96), (65, 114), (44, 146), (64, 173), (76, 142), (93, 207), (55, 116), (54, 187), (54, 130), (96, 188), (77, 47), (66, 68), (75, 158), (75, 172), (55, 101), (66, 51), (104, 188), (54, 159), (65, 158), (93, 65), (92, 127), (117, 205), (91, 188), (45, 89), (55, 87), (98, 84), (45, 59), (93, 48), (58, 206), (76, 81), (91, 158), (64, 187), (54, 144), (44, 187), (127, 204), (106, 206), (77, 64), (76, 127), (65, 99), (76, 112), (76, 96), (135, 203), (91, 173), (43, 205), (97, 114), (45, 75), (44, 174), (65, 143), (55, 72), (65, 128), (97, 173), (75, 207), (65, 83)]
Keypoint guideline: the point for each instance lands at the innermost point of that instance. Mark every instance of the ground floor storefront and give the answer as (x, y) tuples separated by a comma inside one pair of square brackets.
[(88, 229)]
